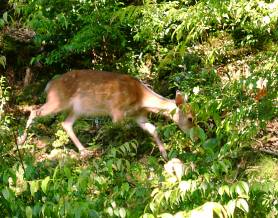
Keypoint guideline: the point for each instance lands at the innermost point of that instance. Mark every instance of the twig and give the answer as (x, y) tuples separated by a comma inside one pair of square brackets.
[(7, 153), (275, 153), (17, 148), (268, 151)]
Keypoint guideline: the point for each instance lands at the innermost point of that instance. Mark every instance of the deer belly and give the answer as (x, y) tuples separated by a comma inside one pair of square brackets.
[(89, 106)]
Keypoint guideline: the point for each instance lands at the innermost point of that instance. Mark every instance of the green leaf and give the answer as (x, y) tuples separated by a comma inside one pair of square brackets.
[(166, 215), (28, 212), (224, 189), (242, 189), (218, 211), (5, 17), (67, 172), (122, 212), (152, 207), (242, 204), (2, 23), (244, 186), (34, 187), (230, 207), (125, 187), (185, 186), (3, 61), (167, 195), (147, 215), (210, 144), (44, 184), (202, 135), (192, 133), (6, 193), (110, 211)]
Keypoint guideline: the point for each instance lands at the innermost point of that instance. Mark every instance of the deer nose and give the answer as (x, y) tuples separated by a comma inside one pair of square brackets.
[(190, 119)]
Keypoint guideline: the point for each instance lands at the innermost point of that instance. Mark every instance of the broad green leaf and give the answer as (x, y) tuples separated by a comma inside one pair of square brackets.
[(6, 193), (77, 212), (201, 134), (230, 207), (192, 133), (185, 186), (110, 211), (244, 186), (154, 192), (5, 17), (166, 215), (180, 215), (28, 212), (201, 212), (34, 187), (122, 212), (125, 187), (67, 172), (3, 61), (167, 195), (224, 189), (239, 190), (242, 204), (207, 209), (116, 212), (44, 184), (2, 23), (210, 144), (152, 206), (242, 189), (147, 215), (218, 211), (233, 189)]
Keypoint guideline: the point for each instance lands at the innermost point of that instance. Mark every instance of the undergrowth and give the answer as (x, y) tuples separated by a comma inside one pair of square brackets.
[(223, 56)]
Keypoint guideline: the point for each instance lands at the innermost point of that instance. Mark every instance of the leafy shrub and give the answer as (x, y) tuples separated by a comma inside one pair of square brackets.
[(222, 55)]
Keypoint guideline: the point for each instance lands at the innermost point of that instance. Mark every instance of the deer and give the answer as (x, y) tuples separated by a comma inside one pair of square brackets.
[(99, 93)]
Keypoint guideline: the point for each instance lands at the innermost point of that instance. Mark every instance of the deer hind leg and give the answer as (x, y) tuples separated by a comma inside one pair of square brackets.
[(46, 109), (151, 129)]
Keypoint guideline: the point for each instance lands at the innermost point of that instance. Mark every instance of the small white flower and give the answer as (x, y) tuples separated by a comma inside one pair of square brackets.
[(10, 180), (113, 204), (185, 186), (261, 83), (273, 5), (196, 90), (250, 86), (175, 167), (261, 4), (266, 20), (246, 70)]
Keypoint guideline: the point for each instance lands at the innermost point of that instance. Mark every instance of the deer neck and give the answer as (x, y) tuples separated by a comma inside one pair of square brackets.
[(155, 103)]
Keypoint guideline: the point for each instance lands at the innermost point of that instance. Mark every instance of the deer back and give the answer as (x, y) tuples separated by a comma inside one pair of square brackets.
[(86, 92)]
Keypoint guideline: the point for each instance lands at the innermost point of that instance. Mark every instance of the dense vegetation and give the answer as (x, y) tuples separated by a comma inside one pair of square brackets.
[(222, 54)]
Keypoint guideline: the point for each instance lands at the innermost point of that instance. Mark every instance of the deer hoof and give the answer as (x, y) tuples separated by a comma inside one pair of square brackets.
[(21, 139), (164, 155), (86, 154)]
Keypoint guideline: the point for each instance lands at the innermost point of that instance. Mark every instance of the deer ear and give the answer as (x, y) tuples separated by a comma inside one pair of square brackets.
[(179, 98)]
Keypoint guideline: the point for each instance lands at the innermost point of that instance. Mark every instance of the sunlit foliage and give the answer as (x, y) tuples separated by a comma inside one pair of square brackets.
[(221, 54)]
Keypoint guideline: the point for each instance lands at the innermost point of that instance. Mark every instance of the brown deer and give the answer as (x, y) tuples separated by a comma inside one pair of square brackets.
[(89, 92)]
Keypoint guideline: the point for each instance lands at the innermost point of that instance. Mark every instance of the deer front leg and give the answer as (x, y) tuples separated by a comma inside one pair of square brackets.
[(151, 129), (67, 125)]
